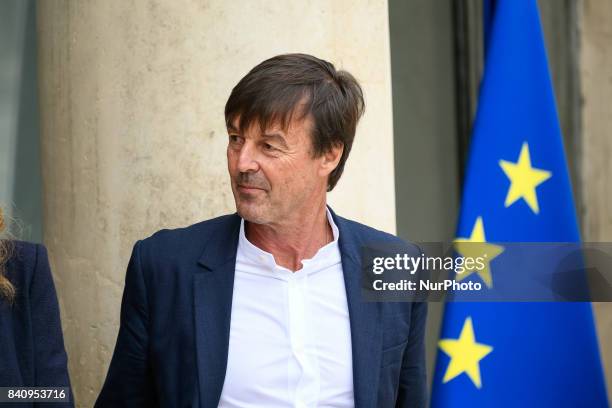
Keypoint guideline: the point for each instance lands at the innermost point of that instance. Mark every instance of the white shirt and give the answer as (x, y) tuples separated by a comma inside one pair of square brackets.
[(290, 337)]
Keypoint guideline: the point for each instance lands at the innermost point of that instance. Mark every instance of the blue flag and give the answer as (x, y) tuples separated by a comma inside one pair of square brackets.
[(517, 189)]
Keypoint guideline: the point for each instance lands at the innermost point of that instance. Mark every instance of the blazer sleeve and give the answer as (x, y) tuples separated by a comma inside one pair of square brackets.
[(50, 360), (413, 379), (129, 380)]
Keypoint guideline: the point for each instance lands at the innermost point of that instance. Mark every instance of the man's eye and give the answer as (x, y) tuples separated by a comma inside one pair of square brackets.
[(268, 146), (234, 138)]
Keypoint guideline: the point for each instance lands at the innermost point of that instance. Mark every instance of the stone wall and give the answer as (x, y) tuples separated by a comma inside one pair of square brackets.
[(595, 23), (133, 135)]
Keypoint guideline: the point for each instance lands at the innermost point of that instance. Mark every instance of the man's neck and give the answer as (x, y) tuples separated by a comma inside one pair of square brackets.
[(293, 241)]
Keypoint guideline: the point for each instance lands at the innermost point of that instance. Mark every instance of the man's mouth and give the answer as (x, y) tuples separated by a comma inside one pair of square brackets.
[(248, 189)]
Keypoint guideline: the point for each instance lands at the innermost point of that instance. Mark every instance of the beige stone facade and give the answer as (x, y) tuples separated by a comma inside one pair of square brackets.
[(133, 134), (596, 146)]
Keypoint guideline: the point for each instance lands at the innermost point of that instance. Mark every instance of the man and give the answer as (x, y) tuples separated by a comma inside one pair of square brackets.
[(262, 308)]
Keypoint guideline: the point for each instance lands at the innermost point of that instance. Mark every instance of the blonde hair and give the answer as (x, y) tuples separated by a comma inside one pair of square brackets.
[(7, 290)]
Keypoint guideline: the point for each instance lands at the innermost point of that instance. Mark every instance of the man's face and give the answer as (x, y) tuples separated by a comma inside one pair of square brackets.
[(274, 176)]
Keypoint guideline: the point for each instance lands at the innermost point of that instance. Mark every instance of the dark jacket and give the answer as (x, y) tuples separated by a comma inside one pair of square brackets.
[(173, 338), (31, 344)]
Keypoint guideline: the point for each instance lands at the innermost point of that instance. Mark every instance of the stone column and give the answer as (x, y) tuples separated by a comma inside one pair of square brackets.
[(133, 135), (596, 146)]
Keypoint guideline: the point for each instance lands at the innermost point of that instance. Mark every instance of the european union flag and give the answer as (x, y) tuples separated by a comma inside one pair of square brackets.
[(517, 189)]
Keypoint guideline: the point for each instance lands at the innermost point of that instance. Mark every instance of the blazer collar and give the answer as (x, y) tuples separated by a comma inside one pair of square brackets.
[(222, 248), (213, 288), (366, 326)]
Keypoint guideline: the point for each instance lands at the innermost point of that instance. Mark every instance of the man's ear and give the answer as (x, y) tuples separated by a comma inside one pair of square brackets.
[(331, 158)]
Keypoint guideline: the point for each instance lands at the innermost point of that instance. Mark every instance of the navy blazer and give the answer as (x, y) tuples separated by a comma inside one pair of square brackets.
[(31, 344), (173, 337)]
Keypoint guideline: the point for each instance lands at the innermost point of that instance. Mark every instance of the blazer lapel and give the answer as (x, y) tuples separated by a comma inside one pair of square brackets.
[(213, 290), (213, 287), (366, 327)]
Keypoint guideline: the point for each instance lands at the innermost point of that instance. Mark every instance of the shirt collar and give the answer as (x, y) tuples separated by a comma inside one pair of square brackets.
[(325, 256)]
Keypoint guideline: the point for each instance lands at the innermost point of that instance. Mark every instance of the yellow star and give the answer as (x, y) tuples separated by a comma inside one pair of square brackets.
[(474, 247), (523, 179), (465, 354)]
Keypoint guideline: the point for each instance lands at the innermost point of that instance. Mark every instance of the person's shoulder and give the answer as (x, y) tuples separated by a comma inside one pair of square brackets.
[(24, 258), (24, 255), (179, 240), (200, 230), (365, 230), (22, 250), (367, 235)]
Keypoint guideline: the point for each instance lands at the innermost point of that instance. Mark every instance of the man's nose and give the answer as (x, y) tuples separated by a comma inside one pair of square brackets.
[(247, 160)]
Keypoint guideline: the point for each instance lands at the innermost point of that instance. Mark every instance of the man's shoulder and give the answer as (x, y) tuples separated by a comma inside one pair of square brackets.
[(364, 230), (366, 235), (195, 236), (200, 228)]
